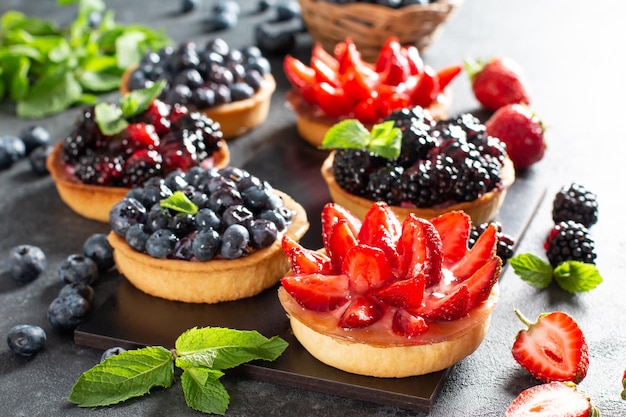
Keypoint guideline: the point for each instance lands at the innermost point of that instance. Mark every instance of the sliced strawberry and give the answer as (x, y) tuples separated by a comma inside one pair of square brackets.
[(553, 399), (407, 324), (482, 281), (303, 260), (420, 250), (298, 73), (391, 46), (454, 228), (553, 348), (317, 292), (340, 241), (331, 99), (324, 72), (416, 64), (381, 228), (361, 312), (427, 88), (367, 269), (447, 74), (331, 214), (450, 307), (406, 293), (484, 249), (319, 52)]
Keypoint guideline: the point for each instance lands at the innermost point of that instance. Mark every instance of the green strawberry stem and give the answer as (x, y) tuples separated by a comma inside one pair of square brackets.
[(473, 67), (523, 318)]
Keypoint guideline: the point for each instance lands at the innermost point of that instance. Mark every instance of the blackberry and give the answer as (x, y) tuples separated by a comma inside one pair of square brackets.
[(99, 169), (352, 167), (429, 183), (505, 245), (473, 128), (569, 241), (383, 185), (141, 166), (575, 202), (472, 181), (410, 116)]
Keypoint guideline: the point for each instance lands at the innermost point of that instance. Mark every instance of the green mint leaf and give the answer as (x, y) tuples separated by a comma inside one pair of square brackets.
[(109, 118), (384, 139), (203, 390), (53, 93), (532, 269), (99, 81), (128, 54), (575, 276), (221, 348), (137, 101), (178, 201), (126, 375)]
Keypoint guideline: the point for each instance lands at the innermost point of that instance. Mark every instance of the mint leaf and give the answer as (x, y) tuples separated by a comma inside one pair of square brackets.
[(203, 390), (109, 118), (383, 140), (98, 81), (52, 94), (130, 374), (575, 276), (532, 269), (221, 348), (179, 201), (137, 101)]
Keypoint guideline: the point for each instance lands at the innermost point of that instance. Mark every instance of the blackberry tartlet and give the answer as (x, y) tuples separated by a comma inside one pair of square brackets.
[(231, 86), (99, 161), (441, 166), (204, 236)]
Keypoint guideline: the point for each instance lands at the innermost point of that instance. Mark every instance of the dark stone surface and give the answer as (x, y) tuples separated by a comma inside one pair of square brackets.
[(572, 54)]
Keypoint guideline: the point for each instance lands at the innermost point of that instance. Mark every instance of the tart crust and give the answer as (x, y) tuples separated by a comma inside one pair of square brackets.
[(212, 281), (237, 117), (96, 201), (480, 210), (312, 125), (393, 361)]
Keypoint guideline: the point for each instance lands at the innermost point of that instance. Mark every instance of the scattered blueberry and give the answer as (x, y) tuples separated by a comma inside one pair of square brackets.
[(287, 10), (98, 249), (226, 6), (277, 39), (187, 6), (84, 290), (263, 5), (111, 352), (222, 21), (26, 262), (26, 339), (68, 311), (12, 149), (37, 159), (34, 137), (78, 268)]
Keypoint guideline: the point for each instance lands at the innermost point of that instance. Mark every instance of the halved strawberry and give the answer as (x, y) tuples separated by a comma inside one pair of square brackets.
[(381, 228), (553, 399), (420, 250), (361, 312), (484, 249), (303, 260), (332, 213), (482, 281), (367, 269), (407, 324), (450, 307), (454, 228), (317, 292), (340, 240), (553, 348), (406, 293)]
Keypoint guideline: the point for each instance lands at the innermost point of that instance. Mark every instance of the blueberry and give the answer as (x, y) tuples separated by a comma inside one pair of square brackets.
[(111, 352), (235, 240), (263, 233), (273, 42), (183, 249), (226, 6), (157, 219), (180, 93), (260, 198), (275, 217), (187, 6), (236, 214), (78, 268), (137, 236), (94, 19), (26, 339), (222, 198), (203, 97), (84, 290), (98, 249), (68, 311), (261, 64), (287, 9), (38, 158), (254, 79), (207, 219), (34, 137), (161, 243), (12, 149), (26, 262), (263, 5), (182, 224), (222, 21), (138, 79), (241, 91), (126, 213), (206, 244)]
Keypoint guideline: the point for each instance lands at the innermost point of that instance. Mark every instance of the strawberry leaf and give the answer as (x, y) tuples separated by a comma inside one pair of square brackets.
[(575, 276), (532, 269)]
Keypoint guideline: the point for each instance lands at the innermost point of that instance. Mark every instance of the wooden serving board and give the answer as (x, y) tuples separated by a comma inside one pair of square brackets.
[(132, 319)]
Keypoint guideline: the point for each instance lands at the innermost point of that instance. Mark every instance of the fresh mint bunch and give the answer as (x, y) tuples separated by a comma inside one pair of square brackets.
[(572, 276), (46, 69), (202, 354), (383, 140)]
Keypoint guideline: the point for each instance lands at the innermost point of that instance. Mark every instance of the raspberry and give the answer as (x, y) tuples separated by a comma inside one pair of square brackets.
[(575, 202), (569, 241), (140, 166)]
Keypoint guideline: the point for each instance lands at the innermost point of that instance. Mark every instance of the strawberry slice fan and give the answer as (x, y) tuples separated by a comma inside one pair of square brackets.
[(388, 298)]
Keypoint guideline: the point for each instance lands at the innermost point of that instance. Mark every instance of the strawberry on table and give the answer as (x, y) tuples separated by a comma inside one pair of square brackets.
[(555, 399), (553, 348), (522, 131), (498, 82)]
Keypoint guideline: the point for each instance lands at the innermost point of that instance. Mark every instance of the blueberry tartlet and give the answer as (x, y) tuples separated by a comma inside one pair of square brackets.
[(101, 160), (441, 166), (204, 236), (232, 86)]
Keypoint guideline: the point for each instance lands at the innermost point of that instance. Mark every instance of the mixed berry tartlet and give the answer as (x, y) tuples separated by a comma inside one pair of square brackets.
[(232, 86), (437, 167), (115, 147), (343, 86), (386, 298), (204, 236)]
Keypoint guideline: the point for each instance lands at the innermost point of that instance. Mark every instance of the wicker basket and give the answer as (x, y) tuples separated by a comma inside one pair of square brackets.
[(370, 25)]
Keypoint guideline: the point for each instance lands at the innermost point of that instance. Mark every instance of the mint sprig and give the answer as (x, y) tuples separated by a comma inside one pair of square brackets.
[(179, 202), (202, 354), (571, 276), (384, 139)]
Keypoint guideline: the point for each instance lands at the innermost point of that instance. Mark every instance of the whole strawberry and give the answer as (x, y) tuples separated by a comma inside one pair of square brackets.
[(553, 399), (497, 82), (553, 348), (522, 132)]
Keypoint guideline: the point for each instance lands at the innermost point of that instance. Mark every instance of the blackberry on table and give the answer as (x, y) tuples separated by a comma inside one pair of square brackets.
[(569, 241), (577, 203)]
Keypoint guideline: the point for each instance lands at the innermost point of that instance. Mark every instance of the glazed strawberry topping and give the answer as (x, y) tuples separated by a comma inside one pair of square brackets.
[(386, 276)]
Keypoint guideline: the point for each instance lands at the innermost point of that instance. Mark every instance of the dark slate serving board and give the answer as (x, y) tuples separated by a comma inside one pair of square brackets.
[(131, 319)]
